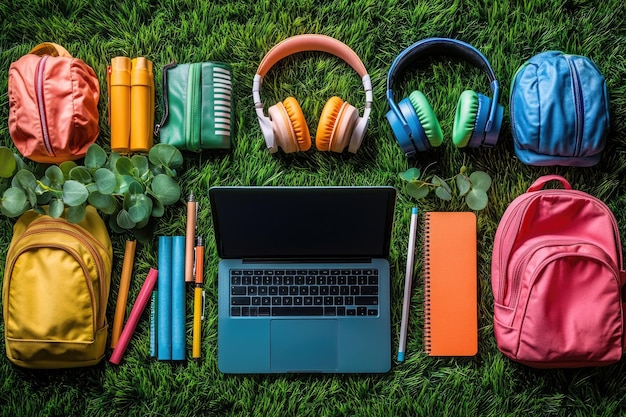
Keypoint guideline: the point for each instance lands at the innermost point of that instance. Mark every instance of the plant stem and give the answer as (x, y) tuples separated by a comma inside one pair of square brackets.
[(57, 193)]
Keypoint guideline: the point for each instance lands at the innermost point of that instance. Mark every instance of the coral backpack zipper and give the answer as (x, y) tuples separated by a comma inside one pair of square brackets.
[(39, 72)]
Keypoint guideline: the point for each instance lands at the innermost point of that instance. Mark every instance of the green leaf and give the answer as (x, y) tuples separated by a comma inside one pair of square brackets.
[(76, 214), (20, 162), (8, 164), (4, 184), (31, 196), (463, 184), (417, 190), (124, 221), (441, 183), (142, 166), (74, 193), (166, 190), (113, 161), (165, 155), (91, 187), (158, 209), (480, 180), (95, 157), (56, 208), (66, 167), (14, 202), (140, 208), (43, 199), (476, 199), (411, 174), (443, 193), (123, 182), (135, 188), (24, 179), (155, 170), (81, 174), (55, 175), (124, 166), (105, 180), (114, 226), (104, 202)]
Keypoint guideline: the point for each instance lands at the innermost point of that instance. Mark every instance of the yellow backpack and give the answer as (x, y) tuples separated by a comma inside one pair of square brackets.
[(56, 287)]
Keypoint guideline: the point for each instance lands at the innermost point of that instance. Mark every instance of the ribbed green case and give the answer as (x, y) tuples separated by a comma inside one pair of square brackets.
[(197, 106)]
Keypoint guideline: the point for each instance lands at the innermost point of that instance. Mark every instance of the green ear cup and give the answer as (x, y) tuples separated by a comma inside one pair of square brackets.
[(427, 118), (465, 118)]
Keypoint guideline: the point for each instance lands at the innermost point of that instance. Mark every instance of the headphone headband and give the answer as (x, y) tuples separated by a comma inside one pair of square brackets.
[(305, 43), (443, 47), (439, 47), (308, 43)]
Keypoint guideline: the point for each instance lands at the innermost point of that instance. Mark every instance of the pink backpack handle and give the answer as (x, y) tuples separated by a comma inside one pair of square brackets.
[(541, 181)]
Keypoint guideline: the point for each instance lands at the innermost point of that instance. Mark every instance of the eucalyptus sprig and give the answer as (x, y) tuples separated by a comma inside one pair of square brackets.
[(131, 190), (473, 187)]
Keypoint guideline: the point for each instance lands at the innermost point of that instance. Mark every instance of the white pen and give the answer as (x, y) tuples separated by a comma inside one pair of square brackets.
[(408, 282)]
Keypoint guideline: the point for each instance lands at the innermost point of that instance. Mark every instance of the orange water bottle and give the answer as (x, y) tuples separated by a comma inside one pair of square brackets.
[(119, 105), (142, 105)]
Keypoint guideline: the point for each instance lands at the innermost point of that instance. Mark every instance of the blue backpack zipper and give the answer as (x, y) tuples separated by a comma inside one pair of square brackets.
[(578, 103)]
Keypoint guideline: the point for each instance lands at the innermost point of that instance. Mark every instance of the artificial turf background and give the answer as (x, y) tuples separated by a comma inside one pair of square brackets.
[(240, 33)]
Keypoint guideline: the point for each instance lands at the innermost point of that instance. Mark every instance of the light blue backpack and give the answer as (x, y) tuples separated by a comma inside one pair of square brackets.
[(559, 110)]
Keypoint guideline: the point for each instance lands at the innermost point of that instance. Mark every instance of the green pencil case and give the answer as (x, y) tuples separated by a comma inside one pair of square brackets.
[(197, 106)]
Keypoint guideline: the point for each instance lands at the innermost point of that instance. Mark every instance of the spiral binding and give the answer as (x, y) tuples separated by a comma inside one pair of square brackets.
[(153, 327), (426, 265)]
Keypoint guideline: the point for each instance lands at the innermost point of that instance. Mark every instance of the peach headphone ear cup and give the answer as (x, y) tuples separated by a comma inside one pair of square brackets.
[(298, 122), (290, 129), (335, 126)]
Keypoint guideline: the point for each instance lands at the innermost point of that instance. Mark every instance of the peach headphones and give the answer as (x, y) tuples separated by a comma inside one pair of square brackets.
[(339, 125)]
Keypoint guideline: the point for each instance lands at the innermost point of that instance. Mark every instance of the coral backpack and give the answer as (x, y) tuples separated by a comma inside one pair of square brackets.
[(53, 102), (557, 279)]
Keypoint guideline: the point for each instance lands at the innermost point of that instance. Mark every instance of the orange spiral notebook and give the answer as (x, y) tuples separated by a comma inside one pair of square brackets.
[(450, 284)]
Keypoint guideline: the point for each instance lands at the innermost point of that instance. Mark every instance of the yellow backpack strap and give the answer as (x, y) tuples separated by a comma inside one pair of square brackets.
[(49, 48)]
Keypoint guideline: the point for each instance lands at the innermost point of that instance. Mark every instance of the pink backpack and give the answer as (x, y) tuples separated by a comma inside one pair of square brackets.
[(557, 279)]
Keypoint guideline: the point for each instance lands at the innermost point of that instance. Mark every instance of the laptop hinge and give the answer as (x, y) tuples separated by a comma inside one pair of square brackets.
[(306, 261)]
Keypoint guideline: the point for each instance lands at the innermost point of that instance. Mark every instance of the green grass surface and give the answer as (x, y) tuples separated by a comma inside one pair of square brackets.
[(240, 33)]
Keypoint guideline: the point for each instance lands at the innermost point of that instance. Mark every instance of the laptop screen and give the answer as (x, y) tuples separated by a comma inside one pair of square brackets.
[(302, 222)]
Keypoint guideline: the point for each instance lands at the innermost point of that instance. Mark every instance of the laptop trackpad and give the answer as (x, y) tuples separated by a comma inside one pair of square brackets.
[(303, 345)]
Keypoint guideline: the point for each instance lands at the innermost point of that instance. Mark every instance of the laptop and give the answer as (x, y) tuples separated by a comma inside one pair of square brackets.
[(303, 283)]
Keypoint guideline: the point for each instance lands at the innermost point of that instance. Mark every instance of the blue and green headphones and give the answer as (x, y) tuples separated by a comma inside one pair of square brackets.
[(478, 118)]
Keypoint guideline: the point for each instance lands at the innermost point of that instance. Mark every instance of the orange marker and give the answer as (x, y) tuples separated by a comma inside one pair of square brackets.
[(198, 299), (190, 239), (122, 295)]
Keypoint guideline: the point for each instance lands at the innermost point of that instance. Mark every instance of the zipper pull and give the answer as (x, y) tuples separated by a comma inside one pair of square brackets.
[(164, 70)]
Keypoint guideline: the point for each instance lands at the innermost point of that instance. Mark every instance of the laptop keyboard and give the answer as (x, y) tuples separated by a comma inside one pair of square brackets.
[(310, 292)]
